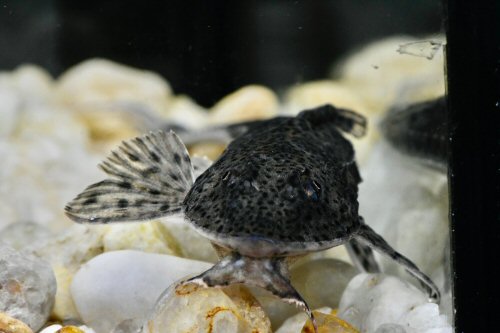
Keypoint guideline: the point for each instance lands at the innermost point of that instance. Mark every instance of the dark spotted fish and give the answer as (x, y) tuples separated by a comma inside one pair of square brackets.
[(288, 183), (284, 187)]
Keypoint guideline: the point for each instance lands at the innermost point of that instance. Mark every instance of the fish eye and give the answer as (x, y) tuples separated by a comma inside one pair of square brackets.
[(312, 189)]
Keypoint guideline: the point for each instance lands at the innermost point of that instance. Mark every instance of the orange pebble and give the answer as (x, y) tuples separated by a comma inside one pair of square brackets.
[(329, 323), (70, 329)]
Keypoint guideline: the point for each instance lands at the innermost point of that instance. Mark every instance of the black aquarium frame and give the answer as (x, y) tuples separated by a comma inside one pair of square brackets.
[(473, 87)]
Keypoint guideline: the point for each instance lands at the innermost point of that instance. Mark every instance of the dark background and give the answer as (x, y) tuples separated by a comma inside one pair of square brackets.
[(473, 72), (206, 49)]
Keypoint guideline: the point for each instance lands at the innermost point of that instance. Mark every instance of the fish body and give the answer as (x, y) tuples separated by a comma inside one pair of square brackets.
[(288, 184), (283, 187)]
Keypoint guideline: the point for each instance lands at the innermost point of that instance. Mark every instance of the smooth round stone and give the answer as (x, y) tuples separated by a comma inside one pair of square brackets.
[(193, 309), (185, 112), (248, 103), (44, 157), (190, 243), (35, 83), (51, 329), (372, 300), (27, 287), (212, 150), (293, 324), (109, 98), (12, 325), (277, 310), (64, 308), (311, 94), (147, 237), (321, 282), (66, 253), (97, 81), (120, 285)]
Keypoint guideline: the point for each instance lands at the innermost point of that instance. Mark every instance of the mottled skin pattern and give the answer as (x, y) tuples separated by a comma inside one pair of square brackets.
[(286, 180)]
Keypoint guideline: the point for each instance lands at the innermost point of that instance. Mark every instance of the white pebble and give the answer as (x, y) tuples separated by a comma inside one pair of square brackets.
[(374, 300), (28, 287), (192, 245), (121, 285), (230, 309)]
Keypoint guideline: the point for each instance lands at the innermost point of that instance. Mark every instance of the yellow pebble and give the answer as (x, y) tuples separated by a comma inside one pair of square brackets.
[(247, 103), (69, 329), (207, 149), (63, 305), (329, 323), (12, 325)]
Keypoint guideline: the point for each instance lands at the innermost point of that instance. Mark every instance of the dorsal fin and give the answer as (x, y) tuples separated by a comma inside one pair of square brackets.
[(345, 120), (150, 176)]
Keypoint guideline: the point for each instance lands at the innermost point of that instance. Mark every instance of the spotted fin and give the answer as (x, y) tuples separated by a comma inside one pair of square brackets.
[(362, 256), (150, 176), (369, 237), (345, 120)]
